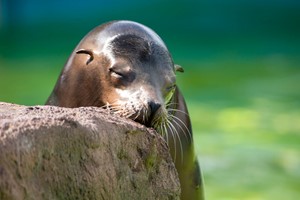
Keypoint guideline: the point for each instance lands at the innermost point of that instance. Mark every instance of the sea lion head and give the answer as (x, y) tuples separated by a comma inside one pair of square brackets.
[(125, 67)]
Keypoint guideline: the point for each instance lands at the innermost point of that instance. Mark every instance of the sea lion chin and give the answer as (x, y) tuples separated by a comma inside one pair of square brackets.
[(125, 67)]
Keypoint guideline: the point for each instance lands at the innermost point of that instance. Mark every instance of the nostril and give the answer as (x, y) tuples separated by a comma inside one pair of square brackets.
[(154, 106)]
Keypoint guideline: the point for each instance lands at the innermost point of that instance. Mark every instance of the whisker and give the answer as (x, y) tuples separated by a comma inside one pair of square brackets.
[(104, 106), (137, 115), (172, 103), (184, 131), (188, 131), (166, 134), (177, 110), (156, 121), (174, 140), (127, 114), (179, 139)]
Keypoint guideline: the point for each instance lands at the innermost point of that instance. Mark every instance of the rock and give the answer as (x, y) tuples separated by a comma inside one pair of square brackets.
[(49, 152)]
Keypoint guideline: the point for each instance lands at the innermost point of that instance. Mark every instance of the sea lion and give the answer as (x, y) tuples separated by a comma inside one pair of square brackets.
[(126, 67)]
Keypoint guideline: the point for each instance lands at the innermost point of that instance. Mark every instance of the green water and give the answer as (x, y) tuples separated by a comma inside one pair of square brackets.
[(241, 82)]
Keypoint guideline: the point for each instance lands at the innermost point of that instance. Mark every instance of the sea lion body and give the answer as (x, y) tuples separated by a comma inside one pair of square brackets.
[(126, 67)]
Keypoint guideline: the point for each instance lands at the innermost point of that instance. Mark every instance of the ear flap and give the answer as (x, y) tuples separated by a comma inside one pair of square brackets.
[(178, 68), (87, 51)]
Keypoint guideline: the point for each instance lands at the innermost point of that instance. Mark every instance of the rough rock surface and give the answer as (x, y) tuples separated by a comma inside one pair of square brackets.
[(49, 152)]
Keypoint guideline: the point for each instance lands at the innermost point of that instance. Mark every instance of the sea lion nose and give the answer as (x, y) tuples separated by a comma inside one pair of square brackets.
[(153, 106)]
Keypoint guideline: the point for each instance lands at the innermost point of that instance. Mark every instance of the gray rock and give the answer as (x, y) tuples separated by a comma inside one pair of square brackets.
[(48, 152)]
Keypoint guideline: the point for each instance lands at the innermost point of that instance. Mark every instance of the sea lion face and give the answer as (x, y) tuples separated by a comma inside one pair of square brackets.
[(140, 78)]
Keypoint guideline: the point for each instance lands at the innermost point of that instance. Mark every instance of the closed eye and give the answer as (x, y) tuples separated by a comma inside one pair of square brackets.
[(121, 76), (115, 74)]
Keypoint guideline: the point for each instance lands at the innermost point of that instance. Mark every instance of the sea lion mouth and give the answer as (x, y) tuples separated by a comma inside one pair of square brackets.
[(142, 113), (147, 115), (142, 117)]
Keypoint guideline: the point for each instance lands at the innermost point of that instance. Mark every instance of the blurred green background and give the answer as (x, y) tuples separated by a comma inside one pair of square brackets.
[(241, 80)]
